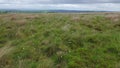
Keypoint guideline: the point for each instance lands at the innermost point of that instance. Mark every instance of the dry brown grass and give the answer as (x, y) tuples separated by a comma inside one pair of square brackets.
[(6, 49), (113, 17), (21, 22), (75, 18)]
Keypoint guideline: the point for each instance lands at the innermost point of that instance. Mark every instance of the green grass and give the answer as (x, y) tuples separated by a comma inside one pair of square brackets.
[(54, 40)]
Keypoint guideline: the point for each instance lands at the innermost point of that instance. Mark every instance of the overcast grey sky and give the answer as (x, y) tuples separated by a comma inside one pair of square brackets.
[(110, 5)]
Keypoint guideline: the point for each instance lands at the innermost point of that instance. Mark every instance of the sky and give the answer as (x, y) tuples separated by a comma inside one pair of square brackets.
[(92, 5)]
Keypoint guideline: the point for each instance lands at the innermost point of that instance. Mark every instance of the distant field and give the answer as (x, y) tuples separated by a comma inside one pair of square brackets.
[(51, 40)]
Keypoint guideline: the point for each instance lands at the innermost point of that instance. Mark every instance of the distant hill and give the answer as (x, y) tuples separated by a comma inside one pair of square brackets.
[(46, 11)]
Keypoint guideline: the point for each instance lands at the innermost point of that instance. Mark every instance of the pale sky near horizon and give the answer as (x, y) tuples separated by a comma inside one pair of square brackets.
[(97, 5)]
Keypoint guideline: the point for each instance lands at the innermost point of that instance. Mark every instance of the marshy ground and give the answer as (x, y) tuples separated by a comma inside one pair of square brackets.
[(59, 40)]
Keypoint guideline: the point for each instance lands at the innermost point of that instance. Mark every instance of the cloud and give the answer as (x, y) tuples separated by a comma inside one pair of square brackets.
[(107, 5), (92, 7), (56, 1)]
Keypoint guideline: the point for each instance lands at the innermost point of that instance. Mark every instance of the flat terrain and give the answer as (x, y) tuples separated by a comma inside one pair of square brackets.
[(59, 40)]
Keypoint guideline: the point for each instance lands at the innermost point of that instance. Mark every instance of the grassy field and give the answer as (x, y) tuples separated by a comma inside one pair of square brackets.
[(51, 40)]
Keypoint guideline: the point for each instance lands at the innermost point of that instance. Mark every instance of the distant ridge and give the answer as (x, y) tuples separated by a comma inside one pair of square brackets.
[(48, 11)]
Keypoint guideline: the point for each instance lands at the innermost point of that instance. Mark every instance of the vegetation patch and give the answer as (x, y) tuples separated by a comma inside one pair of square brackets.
[(58, 40)]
